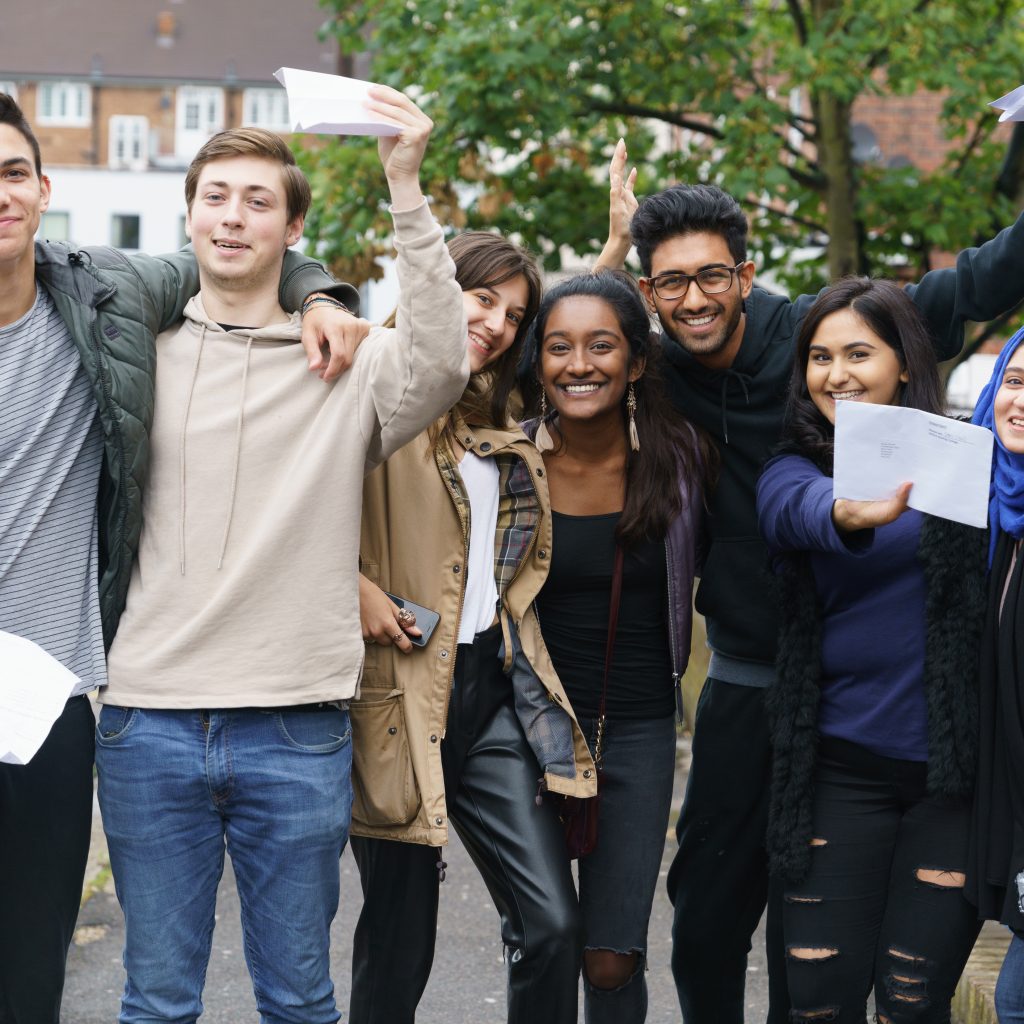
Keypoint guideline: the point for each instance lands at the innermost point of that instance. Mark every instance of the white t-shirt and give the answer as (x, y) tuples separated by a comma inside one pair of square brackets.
[(480, 477)]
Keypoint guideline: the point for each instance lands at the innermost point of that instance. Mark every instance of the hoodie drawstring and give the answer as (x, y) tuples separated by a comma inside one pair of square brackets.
[(742, 378), (238, 454), (181, 452)]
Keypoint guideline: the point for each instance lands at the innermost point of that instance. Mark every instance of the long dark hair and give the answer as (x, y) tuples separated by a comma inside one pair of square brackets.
[(889, 312), (484, 260), (669, 445)]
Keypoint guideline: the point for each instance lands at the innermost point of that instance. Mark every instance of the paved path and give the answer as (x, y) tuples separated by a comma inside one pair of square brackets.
[(467, 985)]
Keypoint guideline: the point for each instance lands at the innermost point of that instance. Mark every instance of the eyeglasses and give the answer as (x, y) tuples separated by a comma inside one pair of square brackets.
[(713, 281)]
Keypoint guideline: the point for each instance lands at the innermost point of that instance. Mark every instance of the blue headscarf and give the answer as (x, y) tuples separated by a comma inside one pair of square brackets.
[(1006, 499)]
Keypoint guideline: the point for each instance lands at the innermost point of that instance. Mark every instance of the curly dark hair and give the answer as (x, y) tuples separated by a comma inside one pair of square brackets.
[(891, 314)]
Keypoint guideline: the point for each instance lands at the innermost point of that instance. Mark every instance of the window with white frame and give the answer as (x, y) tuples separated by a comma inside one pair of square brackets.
[(200, 114), (11, 89), (128, 145), (55, 226), (64, 103), (266, 108)]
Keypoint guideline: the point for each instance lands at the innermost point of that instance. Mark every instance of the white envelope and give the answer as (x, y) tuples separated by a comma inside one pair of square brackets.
[(330, 104), (1012, 105), (879, 447)]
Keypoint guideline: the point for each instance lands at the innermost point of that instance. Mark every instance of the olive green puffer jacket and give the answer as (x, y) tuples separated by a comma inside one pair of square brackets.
[(114, 306)]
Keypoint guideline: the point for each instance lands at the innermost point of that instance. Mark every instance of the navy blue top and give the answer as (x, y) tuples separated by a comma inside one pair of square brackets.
[(872, 594)]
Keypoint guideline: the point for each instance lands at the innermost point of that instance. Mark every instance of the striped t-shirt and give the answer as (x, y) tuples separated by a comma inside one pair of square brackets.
[(51, 451)]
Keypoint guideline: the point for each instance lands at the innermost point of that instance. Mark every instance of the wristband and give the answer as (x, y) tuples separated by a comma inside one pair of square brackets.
[(326, 299)]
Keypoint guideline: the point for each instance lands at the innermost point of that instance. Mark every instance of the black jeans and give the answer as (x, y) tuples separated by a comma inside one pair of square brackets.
[(718, 882), (491, 778), (45, 826), (882, 906)]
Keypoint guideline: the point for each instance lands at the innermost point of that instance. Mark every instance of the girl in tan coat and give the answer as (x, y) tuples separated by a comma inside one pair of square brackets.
[(471, 725)]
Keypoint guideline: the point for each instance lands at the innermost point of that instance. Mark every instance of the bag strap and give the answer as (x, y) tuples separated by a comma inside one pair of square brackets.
[(613, 624)]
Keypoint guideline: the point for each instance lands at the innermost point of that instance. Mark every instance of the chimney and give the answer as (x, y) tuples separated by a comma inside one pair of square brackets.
[(165, 28)]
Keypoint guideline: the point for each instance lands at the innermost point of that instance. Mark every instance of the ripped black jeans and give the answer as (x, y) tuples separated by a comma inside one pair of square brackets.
[(882, 906)]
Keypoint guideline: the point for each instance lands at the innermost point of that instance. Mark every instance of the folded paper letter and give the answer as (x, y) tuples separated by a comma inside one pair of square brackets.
[(879, 447), (330, 104), (1011, 105), (33, 691)]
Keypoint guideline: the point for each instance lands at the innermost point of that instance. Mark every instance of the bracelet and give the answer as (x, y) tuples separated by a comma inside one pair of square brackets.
[(328, 300)]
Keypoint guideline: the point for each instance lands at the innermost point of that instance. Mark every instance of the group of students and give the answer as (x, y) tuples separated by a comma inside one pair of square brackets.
[(555, 508)]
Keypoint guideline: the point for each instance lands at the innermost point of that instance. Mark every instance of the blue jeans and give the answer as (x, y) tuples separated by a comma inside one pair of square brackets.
[(1010, 987), (274, 787)]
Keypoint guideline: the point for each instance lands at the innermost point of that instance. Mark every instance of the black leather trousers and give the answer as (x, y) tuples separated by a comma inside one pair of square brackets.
[(491, 779)]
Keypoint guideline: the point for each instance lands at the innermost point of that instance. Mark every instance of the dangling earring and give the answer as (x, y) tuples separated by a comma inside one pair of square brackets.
[(634, 438), (542, 439)]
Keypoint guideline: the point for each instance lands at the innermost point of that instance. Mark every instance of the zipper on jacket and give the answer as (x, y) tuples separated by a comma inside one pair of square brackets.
[(672, 640)]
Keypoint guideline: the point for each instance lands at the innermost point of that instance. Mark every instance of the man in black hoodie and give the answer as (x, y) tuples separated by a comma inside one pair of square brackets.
[(728, 347)]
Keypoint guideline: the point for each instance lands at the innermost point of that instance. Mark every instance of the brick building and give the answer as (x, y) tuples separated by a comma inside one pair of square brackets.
[(121, 96)]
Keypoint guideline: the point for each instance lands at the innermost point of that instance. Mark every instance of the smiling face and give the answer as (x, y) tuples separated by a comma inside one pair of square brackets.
[(1008, 406), (709, 327), (585, 361), (847, 361), (24, 197), (493, 315), (239, 225)]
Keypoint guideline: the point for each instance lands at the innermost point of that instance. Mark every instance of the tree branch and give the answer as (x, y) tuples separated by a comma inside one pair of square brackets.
[(972, 144), (991, 329), (786, 215), (797, 14), (638, 110)]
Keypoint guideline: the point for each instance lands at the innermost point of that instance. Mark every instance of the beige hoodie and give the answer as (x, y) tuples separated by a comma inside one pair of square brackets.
[(244, 592)]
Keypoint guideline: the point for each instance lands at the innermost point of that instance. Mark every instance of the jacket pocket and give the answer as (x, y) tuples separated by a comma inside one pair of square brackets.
[(383, 779)]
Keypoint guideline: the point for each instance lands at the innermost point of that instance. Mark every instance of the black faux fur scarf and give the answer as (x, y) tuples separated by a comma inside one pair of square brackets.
[(953, 558)]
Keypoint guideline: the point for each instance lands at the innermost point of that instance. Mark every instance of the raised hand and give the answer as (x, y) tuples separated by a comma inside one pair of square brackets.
[(401, 155), (622, 204)]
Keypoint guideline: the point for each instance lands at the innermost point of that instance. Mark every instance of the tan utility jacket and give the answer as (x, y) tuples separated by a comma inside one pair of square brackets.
[(415, 542)]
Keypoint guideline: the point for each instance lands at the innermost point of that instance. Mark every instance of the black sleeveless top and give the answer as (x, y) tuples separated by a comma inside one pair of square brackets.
[(573, 612)]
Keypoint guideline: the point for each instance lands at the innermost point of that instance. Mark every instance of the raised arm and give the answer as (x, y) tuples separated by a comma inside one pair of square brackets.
[(985, 282), (417, 370), (622, 205)]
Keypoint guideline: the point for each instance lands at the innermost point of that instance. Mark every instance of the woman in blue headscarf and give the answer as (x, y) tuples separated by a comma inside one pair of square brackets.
[(996, 867)]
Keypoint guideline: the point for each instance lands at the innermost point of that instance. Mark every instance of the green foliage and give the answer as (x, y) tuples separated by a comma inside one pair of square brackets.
[(528, 99)]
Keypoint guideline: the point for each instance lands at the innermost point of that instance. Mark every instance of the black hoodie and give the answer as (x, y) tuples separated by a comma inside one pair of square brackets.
[(742, 409)]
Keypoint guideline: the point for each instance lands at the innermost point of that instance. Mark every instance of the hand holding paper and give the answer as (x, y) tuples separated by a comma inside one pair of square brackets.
[(878, 448), (403, 155), (850, 515), (330, 104)]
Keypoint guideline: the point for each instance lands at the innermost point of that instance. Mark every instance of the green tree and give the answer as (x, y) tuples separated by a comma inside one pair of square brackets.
[(529, 98)]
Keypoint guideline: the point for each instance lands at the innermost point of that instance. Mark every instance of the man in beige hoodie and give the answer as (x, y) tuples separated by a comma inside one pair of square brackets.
[(224, 720)]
